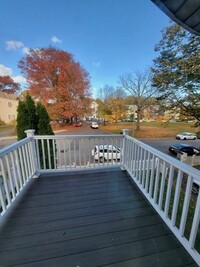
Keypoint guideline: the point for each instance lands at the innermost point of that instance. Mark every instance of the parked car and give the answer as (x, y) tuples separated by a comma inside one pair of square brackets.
[(184, 148), (186, 136), (195, 189), (78, 124), (94, 125), (106, 152), (127, 120)]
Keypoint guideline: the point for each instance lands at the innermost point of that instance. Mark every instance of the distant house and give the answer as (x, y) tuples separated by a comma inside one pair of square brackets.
[(132, 111), (94, 107), (151, 112), (8, 107)]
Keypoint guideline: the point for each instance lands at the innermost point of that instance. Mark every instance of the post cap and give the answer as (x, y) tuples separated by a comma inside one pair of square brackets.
[(125, 131), (30, 132)]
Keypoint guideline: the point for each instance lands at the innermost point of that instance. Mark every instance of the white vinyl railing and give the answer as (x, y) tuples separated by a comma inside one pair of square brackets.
[(58, 153), (171, 187), (166, 182), (17, 167)]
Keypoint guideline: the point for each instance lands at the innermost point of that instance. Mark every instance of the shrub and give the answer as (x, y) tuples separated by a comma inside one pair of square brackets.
[(2, 122)]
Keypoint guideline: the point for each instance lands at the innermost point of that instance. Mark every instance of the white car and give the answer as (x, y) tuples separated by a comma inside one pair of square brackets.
[(106, 152), (94, 125), (186, 136)]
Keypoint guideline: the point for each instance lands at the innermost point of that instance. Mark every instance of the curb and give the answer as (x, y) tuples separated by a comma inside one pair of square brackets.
[(14, 137), (59, 131)]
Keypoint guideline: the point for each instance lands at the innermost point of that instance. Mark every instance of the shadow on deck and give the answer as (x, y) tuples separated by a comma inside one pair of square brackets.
[(96, 218)]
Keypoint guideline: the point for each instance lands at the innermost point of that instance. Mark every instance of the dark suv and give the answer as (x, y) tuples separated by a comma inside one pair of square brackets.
[(184, 148)]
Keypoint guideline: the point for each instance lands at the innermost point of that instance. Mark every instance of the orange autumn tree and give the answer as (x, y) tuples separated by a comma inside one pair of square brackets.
[(58, 81), (7, 85)]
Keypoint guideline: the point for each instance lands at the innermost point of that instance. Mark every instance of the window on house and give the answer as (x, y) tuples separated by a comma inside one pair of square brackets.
[(11, 117), (10, 104)]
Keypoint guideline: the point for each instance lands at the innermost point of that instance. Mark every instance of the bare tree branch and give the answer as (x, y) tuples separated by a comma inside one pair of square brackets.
[(138, 84)]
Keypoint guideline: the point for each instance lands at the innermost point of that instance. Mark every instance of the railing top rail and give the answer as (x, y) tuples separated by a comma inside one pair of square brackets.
[(76, 136), (11, 147), (173, 161)]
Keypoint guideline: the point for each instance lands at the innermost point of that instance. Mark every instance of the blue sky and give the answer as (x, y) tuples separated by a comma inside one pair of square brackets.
[(108, 37)]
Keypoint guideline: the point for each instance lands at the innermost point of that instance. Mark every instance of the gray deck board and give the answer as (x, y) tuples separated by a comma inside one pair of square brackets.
[(88, 219)]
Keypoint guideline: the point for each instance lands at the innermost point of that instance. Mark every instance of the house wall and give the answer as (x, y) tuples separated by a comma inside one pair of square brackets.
[(94, 107), (132, 110), (8, 107)]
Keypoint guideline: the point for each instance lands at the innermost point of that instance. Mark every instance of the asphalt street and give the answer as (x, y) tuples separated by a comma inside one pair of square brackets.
[(160, 144), (164, 143)]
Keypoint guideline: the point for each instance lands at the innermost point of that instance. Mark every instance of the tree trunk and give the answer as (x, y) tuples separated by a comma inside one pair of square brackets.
[(138, 121)]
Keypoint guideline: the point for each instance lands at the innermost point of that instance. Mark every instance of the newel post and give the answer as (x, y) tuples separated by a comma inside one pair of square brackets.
[(34, 161), (125, 133)]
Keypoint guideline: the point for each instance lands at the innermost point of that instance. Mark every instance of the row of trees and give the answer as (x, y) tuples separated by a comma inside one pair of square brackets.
[(111, 102), (63, 86), (133, 89), (173, 81)]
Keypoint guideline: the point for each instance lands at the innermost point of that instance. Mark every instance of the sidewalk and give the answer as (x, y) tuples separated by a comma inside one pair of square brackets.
[(4, 138)]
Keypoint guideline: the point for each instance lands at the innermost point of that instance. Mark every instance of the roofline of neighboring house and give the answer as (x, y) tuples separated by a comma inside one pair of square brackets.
[(8, 96)]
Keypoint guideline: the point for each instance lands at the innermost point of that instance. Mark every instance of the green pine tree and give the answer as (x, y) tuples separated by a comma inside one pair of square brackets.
[(31, 113), (22, 120), (26, 117), (44, 128), (36, 117)]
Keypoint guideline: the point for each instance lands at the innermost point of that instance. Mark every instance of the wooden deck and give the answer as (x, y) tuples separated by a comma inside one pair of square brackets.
[(85, 219)]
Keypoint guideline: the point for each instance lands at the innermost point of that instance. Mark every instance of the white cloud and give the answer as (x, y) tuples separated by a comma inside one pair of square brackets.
[(19, 79), (55, 39), (14, 45), (5, 71), (26, 50), (96, 64)]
